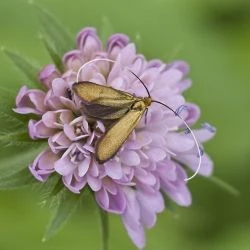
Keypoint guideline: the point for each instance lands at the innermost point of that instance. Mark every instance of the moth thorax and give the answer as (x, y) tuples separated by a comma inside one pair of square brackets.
[(141, 105), (147, 101)]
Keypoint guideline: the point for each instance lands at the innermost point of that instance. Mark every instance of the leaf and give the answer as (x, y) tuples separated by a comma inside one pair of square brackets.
[(50, 190), (106, 29), (9, 119), (28, 68), (67, 205), (12, 119), (224, 185), (53, 54), (6, 95), (19, 161), (16, 138), (104, 228), (56, 35), (17, 180)]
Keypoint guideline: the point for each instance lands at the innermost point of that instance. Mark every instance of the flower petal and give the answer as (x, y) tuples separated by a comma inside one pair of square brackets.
[(64, 166), (113, 169), (83, 166), (130, 158)]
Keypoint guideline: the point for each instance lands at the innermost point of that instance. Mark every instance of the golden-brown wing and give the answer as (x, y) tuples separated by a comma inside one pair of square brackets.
[(113, 139), (104, 112), (94, 93)]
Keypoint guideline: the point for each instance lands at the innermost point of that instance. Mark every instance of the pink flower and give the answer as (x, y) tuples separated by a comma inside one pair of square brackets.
[(149, 163)]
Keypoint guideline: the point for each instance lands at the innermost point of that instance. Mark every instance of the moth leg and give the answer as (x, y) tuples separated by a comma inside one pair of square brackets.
[(146, 114)]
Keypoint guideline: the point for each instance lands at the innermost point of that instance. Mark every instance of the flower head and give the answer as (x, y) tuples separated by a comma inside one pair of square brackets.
[(151, 160)]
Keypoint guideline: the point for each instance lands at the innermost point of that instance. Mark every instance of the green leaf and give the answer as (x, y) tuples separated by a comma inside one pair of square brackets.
[(50, 189), (224, 185), (16, 138), (104, 228), (67, 205), (55, 33), (106, 29), (7, 95), (11, 119), (17, 180), (19, 161), (28, 68), (53, 53)]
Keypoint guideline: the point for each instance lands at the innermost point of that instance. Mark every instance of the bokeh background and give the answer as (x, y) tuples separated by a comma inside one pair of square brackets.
[(214, 37)]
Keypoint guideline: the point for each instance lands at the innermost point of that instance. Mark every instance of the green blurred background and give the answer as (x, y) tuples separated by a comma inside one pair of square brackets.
[(214, 37)]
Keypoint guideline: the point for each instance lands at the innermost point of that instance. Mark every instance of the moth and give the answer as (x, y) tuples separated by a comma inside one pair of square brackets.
[(107, 103)]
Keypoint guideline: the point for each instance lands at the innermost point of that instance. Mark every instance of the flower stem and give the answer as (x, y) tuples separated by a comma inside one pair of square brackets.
[(104, 228)]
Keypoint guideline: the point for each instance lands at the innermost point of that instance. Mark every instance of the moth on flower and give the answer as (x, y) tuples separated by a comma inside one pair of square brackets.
[(106, 103), (149, 157)]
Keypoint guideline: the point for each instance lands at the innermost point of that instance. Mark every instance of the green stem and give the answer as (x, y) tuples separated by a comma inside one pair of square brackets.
[(224, 185), (104, 228)]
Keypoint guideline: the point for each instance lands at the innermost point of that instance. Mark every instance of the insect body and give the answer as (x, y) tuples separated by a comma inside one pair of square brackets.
[(107, 103)]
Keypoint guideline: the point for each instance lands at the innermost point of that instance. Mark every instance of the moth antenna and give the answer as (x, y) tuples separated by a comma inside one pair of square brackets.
[(190, 131), (140, 82), (89, 62), (146, 115)]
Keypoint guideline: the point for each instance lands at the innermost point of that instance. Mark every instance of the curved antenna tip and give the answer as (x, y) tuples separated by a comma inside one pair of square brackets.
[(89, 62)]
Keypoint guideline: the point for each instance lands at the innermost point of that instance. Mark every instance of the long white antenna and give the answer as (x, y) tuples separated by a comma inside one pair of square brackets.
[(89, 62), (198, 148)]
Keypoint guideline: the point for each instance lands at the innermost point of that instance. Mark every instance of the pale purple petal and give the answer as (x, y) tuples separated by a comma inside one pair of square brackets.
[(130, 158), (102, 198), (43, 165), (37, 129), (117, 202), (64, 167), (115, 44), (30, 101), (180, 195), (156, 154), (113, 169), (177, 189), (181, 66), (145, 177), (73, 184), (150, 204), (131, 219), (178, 143), (83, 167), (88, 42), (48, 74), (191, 160), (94, 183)]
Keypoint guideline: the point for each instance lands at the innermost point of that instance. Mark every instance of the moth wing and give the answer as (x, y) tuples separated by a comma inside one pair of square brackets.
[(104, 112), (107, 96), (111, 142)]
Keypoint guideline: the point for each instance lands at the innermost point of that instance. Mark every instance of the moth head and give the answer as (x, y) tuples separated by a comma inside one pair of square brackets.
[(147, 101)]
